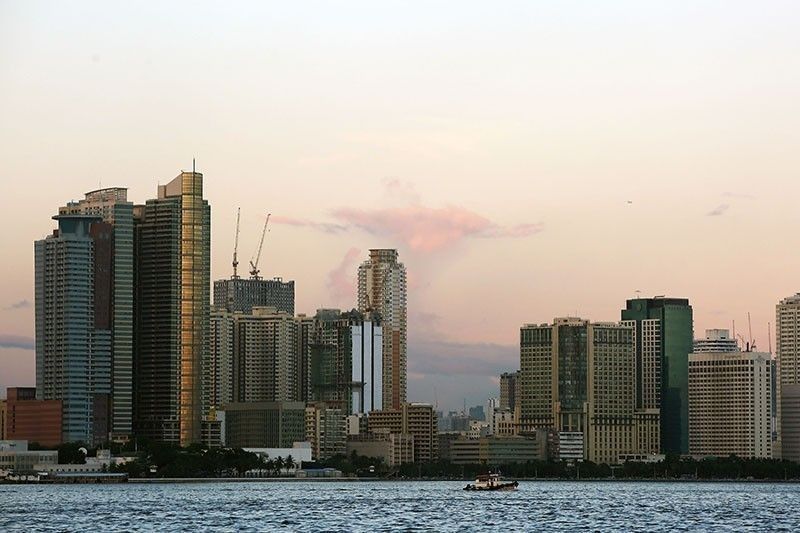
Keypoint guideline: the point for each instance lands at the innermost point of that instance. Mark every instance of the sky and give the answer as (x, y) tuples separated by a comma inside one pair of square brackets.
[(528, 159)]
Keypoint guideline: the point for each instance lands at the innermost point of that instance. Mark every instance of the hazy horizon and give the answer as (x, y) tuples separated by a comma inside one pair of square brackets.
[(527, 160)]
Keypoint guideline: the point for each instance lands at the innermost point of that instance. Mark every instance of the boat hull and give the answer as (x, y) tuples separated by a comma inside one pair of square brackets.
[(502, 487)]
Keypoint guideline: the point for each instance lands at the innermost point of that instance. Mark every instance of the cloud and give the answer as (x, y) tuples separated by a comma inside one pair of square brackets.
[(341, 280), (304, 223), (738, 195), (397, 189), (22, 304), (16, 341), (718, 211)]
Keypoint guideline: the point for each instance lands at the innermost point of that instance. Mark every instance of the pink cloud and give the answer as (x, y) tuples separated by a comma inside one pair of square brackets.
[(301, 222), (342, 280), (422, 229)]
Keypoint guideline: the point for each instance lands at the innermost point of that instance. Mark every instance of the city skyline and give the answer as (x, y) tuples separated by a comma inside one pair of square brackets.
[(678, 159)]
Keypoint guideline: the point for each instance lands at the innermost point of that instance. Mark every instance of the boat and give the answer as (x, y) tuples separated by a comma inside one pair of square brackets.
[(491, 482)]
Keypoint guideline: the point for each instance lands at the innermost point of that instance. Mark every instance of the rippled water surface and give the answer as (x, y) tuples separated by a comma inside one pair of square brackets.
[(410, 506)]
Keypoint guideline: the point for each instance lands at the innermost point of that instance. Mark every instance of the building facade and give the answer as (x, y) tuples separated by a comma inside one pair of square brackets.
[(263, 424), (415, 419), (242, 295), (579, 379), (29, 419), (172, 280), (716, 341), (326, 430), (508, 390), (112, 205), (74, 335), (787, 361), (673, 320), (730, 404), (382, 290)]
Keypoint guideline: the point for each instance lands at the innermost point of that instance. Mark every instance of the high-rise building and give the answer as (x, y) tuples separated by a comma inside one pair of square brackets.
[(265, 359), (664, 340), (345, 361), (716, 341), (787, 360), (172, 280), (508, 389), (218, 368), (242, 295), (382, 290), (730, 404), (113, 206), (578, 380), (305, 328), (74, 323)]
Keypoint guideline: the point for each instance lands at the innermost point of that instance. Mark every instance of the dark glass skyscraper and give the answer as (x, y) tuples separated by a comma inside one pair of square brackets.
[(675, 342), (173, 247)]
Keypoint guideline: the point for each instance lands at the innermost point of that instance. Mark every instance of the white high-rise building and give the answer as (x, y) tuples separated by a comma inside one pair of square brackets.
[(787, 360), (730, 404), (382, 289)]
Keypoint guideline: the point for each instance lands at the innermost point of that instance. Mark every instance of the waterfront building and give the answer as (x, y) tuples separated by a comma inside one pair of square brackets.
[(730, 404), (496, 451), (74, 321), (382, 290), (491, 407), (263, 424), (3, 411), (172, 257), (415, 419), (578, 380), (664, 339), (716, 341), (242, 295), (508, 388), (16, 457), (112, 205), (218, 368), (326, 430), (787, 360), (394, 449), (504, 423), (29, 419), (305, 327), (265, 362)]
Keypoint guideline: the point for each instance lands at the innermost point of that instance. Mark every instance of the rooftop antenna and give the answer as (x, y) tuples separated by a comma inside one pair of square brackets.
[(254, 262), (236, 245), (193, 165), (750, 330), (638, 294)]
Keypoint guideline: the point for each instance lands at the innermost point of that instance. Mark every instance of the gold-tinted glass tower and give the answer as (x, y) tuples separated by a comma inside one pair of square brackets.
[(173, 245)]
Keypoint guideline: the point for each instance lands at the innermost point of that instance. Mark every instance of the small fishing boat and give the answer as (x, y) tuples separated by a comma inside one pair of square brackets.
[(491, 482)]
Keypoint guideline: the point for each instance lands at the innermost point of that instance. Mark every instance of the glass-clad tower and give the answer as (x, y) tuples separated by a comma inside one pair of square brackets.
[(669, 323), (173, 246)]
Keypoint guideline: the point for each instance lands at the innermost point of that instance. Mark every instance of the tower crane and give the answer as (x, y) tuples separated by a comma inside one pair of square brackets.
[(254, 262), (236, 244)]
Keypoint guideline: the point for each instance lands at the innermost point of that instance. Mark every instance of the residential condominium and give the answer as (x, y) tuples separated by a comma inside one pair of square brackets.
[(113, 206), (787, 360), (74, 323), (173, 245), (382, 290), (664, 340), (415, 419), (242, 295), (730, 404), (578, 380)]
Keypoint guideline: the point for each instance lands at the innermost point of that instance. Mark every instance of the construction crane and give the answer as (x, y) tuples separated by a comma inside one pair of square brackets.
[(236, 244), (254, 262)]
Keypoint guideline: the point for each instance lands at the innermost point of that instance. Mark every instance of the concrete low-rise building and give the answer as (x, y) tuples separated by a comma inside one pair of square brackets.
[(15, 457), (494, 451), (262, 424)]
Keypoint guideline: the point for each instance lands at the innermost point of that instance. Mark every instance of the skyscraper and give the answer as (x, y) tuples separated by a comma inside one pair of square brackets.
[(664, 340), (730, 404), (173, 246), (73, 292), (113, 206), (578, 380), (382, 289), (787, 358)]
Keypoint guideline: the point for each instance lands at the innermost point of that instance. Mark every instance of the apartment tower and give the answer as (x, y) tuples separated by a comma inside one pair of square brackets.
[(382, 290), (787, 359)]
